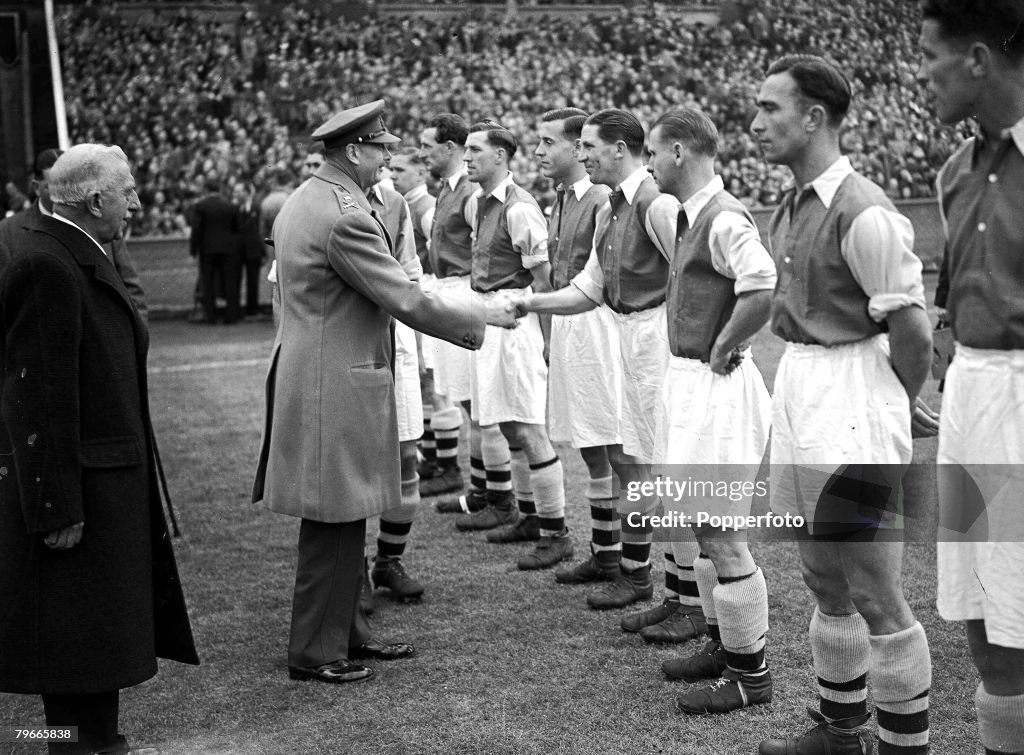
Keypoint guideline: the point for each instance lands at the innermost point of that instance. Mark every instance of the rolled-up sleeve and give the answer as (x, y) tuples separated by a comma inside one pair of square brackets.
[(529, 232), (879, 250), (737, 253), (590, 280)]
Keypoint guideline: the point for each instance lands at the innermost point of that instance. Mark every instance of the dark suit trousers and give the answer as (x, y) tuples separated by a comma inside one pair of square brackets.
[(94, 714), (326, 616), (227, 270), (253, 268)]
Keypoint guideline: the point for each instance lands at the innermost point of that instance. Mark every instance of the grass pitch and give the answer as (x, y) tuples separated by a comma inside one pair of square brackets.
[(508, 663)]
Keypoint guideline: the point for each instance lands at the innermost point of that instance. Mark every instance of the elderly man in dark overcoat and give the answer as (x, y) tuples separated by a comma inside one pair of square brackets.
[(89, 591), (12, 229), (330, 452)]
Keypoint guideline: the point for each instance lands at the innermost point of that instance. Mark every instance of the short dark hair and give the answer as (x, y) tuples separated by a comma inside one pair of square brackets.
[(691, 128), (498, 136), (212, 185), (819, 80), (573, 118), (997, 23), (619, 125), (44, 161), (450, 128)]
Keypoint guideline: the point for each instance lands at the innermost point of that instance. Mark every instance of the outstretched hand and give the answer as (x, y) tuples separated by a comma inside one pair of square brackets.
[(501, 311)]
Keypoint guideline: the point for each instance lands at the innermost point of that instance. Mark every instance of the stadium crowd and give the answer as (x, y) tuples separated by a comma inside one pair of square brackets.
[(191, 97)]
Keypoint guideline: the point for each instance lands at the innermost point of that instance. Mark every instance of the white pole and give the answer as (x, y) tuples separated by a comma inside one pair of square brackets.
[(55, 77)]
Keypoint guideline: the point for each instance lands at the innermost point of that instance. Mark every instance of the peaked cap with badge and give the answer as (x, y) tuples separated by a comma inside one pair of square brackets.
[(358, 125)]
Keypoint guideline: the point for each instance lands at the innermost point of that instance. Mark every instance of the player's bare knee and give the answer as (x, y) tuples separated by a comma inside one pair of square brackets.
[(731, 556), (829, 587), (596, 459)]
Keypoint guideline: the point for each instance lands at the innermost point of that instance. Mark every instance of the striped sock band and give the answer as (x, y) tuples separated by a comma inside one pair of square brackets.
[(706, 576), (636, 545), (605, 530), (428, 447), (741, 604), (446, 424), (841, 653), (497, 461), (477, 474), (1000, 722), (685, 550), (547, 478), (901, 675), (671, 575), (392, 538)]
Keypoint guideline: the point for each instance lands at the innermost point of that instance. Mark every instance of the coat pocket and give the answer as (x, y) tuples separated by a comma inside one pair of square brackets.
[(370, 374), (109, 453)]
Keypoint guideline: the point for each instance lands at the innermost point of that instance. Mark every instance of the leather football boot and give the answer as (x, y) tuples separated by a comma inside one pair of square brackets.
[(391, 574), (685, 624), (602, 566), (473, 501), (549, 551), (707, 663), (734, 690), (628, 588), (447, 480), (847, 736), (501, 509), (637, 621), (527, 529)]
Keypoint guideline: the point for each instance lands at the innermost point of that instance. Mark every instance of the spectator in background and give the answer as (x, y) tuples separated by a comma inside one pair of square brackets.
[(214, 242), (250, 242), (12, 200), (312, 162)]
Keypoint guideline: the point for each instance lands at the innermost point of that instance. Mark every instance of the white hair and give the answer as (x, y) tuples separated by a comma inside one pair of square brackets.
[(84, 169)]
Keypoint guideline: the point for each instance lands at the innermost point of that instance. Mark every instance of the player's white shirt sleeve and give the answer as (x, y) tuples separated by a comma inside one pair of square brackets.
[(737, 253), (879, 250), (529, 232), (660, 224)]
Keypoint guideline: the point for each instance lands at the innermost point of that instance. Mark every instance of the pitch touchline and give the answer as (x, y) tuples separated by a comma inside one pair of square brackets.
[(207, 366)]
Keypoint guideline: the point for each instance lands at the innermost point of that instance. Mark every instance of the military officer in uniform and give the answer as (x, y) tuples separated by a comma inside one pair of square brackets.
[(331, 379)]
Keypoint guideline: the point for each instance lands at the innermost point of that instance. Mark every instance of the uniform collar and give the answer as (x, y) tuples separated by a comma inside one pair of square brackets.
[(454, 178), (631, 185), (1014, 132), (699, 201), (581, 187), (500, 191), (827, 184)]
